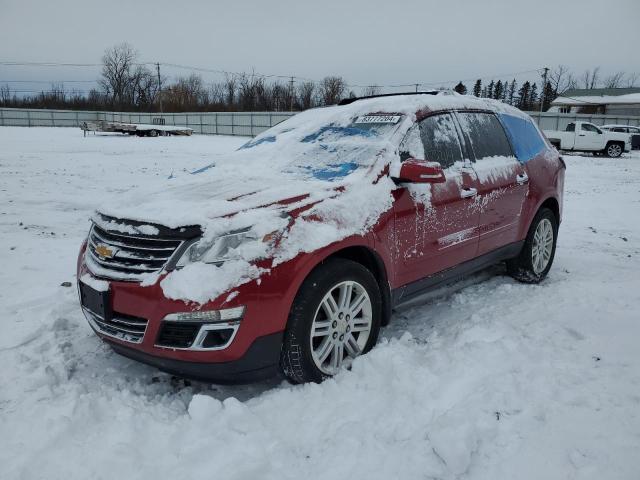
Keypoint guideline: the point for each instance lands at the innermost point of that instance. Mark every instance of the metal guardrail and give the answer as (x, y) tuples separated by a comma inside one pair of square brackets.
[(238, 123)]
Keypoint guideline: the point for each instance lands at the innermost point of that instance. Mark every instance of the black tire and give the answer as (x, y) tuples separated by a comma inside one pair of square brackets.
[(613, 149), (153, 133), (296, 358), (521, 268)]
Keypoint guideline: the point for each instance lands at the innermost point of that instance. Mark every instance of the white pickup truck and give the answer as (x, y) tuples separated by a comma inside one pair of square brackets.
[(586, 137)]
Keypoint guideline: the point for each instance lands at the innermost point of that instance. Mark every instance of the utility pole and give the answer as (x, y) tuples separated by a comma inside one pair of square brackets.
[(159, 86), (291, 94), (544, 87), (417, 87)]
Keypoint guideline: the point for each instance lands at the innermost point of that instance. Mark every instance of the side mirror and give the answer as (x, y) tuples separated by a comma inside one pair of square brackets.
[(413, 170)]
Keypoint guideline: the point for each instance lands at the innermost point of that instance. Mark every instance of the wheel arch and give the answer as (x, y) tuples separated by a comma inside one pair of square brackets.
[(371, 260), (552, 204)]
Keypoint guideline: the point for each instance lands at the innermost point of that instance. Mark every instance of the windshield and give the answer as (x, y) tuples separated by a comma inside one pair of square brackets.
[(323, 145)]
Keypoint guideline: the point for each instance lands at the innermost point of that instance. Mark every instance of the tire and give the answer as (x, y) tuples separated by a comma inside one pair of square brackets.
[(529, 266), (613, 150), (153, 133), (312, 332)]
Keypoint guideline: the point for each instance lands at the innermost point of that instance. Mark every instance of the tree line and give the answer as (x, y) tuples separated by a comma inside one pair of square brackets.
[(127, 85), (529, 96)]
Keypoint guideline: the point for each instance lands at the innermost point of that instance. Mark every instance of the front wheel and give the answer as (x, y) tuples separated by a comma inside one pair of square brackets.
[(536, 257), (334, 318)]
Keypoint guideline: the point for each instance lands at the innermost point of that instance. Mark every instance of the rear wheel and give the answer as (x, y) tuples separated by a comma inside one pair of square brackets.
[(334, 318), (536, 257), (153, 133), (613, 150)]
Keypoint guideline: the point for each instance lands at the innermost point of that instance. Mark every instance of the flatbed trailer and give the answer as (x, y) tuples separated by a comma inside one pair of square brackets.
[(139, 129)]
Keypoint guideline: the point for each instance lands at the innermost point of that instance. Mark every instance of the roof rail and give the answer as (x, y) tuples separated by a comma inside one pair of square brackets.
[(347, 101)]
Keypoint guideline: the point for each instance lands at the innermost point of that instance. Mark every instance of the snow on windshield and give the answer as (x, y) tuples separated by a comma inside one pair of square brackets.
[(325, 151)]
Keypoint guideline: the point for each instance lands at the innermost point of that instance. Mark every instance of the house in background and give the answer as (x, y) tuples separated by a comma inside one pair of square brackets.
[(610, 101)]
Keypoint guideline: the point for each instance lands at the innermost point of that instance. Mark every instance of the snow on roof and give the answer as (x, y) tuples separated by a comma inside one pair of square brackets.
[(631, 98)]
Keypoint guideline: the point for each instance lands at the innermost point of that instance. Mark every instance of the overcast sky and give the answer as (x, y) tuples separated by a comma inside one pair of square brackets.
[(365, 41)]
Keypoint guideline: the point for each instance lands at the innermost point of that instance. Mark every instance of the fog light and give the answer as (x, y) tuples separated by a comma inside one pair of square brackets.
[(217, 338), (208, 316)]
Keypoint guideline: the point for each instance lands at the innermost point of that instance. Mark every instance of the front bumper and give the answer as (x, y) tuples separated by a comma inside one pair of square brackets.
[(252, 352), (259, 362)]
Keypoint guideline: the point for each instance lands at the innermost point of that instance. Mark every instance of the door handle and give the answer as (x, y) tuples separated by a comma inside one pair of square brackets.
[(522, 178), (582, 134), (468, 192)]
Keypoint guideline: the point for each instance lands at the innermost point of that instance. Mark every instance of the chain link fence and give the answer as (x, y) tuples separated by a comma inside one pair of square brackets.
[(238, 123)]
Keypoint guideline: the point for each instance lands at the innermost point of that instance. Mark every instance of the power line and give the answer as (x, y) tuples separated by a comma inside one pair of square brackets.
[(262, 75)]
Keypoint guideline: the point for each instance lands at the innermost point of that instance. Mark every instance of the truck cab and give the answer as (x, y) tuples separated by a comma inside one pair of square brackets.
[(586, 137)]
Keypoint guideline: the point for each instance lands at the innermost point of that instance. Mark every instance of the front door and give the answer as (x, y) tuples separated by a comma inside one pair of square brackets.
[(589, 138), (436, 225), (502, 179)]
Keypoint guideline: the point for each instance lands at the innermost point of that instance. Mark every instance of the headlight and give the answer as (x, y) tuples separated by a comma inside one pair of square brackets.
[(216, 250)]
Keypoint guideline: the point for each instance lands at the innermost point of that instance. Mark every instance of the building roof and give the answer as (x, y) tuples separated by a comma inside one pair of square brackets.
[(598, 92), (599, 96)]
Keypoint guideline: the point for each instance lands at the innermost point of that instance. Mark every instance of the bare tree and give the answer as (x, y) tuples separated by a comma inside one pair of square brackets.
[(230, 86), (117, 65), (5, 94), (614, 80), (188, 93), (371, 90), (561, 80), (591, 78), (305, 95), (331, 90), (632, 80)]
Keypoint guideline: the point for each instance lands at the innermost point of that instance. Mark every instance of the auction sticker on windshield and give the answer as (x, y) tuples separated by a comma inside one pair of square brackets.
[(378, 119)]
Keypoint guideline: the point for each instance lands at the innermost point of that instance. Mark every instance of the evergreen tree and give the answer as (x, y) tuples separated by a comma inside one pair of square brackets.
[(483, 94), (477, 88), (533, 97), (460, 88), (512, 92), (490, 89), (505, 90), (498, 90), (523, 96), (547, 96)]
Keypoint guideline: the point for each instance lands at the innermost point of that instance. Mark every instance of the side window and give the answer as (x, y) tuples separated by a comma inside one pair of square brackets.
[(618, 129), (524, 136), (570, 128), (440, 140), (590, 128), (485, 134)]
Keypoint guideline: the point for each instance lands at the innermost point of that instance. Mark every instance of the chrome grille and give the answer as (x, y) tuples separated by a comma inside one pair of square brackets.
[(123, 327), (125, 257)]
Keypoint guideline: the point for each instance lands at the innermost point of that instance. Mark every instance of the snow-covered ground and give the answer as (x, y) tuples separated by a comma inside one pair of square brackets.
[(489, 379)]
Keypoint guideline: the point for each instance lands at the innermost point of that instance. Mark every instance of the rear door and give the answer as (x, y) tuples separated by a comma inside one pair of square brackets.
[(436, 225), (502, 179)]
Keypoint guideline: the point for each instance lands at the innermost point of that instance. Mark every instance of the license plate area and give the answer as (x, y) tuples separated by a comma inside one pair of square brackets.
[(97, 302)]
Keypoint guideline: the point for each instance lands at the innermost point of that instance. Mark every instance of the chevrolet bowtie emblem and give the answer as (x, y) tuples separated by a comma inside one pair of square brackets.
[(104, 252)]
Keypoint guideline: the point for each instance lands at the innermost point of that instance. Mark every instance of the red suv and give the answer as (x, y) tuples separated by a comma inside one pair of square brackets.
[(292, 252)]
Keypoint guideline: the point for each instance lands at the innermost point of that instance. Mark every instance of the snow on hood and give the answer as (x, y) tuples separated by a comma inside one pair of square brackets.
[(323, 161)]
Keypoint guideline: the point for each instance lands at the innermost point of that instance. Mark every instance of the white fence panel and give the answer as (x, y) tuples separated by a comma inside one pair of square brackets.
[(238, 123)]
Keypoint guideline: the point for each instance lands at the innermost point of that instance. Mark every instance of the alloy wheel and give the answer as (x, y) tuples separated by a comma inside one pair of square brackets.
[(341, 326), (542, 246)]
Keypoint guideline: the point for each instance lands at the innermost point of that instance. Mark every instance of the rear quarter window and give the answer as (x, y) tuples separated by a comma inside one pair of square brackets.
[(525, 138)]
